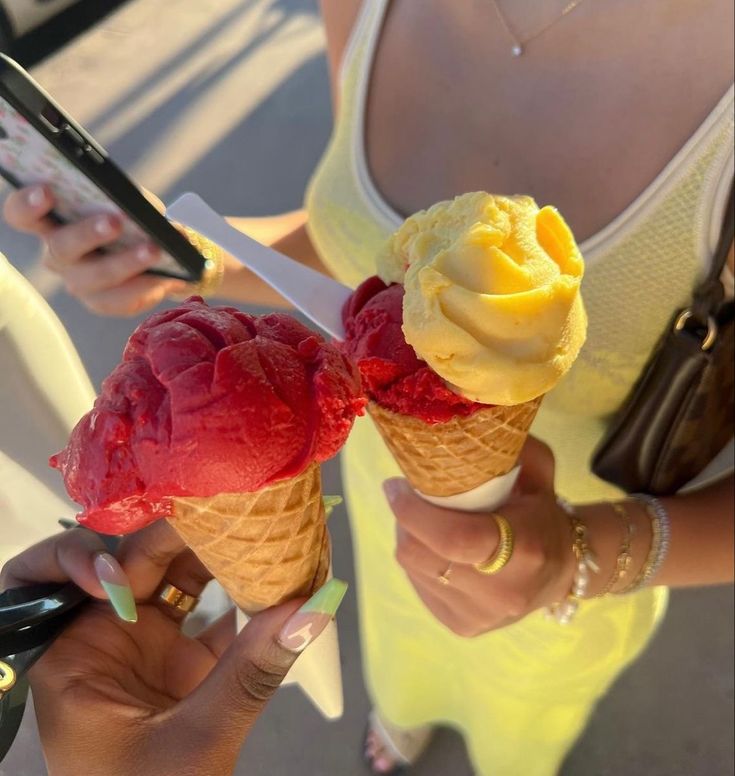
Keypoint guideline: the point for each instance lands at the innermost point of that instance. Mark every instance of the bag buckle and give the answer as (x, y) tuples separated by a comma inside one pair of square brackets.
[(710, 337), (7, 678)]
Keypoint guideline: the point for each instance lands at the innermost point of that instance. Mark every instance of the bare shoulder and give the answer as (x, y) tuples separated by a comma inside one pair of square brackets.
[(339, 18)]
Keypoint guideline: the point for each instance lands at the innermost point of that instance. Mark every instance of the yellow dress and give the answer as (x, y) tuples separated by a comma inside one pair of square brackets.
[(520, 696)]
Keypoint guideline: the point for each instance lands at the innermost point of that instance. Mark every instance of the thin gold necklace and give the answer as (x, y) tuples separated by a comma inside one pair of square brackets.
[(518, 43)]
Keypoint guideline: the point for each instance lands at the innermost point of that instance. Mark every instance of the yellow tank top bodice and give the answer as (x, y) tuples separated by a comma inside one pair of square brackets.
[(639, 269)]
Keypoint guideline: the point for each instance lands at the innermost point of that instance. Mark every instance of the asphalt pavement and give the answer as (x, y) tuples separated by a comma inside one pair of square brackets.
[(230, 98)]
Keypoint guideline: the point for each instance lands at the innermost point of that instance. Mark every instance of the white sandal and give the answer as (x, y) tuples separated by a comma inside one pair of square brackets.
[(403, 747)]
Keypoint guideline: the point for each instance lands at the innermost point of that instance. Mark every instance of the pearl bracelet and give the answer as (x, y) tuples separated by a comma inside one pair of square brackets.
[(564, 611)]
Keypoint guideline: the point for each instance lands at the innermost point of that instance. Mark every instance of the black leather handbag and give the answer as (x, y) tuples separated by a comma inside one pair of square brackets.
[(679, 415)]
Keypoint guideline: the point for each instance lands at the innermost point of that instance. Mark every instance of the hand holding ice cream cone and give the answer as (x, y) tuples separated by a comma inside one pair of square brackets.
[(439, 550), (475, 315), (216, 421), (145, 697)]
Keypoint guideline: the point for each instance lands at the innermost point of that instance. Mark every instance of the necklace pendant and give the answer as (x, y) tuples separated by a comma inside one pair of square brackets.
[(517, 50)]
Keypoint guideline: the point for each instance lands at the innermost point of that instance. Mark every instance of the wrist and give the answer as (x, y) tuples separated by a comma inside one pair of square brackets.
[(584, 567), (214, 263), (619, 535), (616, 540), (603, 537), (241, 285), (660, 527)]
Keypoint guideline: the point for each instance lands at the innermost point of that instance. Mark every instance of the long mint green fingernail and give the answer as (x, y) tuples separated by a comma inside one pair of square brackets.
[(327, 599), (330, 502), (115, 583), (313, 617)]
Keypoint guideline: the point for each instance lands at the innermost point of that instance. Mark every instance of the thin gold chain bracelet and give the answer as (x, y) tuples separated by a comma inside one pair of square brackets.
[(214, 263), (624, 558)]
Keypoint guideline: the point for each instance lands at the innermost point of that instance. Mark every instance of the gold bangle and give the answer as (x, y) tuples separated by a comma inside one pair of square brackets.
[(624, 559), (214, 263), (502, 552)]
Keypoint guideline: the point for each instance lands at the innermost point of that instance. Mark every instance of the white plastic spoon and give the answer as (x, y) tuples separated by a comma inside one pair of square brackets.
[(318, 297)]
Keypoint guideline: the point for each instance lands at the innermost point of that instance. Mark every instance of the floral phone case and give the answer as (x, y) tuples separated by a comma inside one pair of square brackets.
[(41, 154)]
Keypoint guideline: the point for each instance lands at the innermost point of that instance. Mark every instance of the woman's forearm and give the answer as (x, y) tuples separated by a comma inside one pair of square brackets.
[(701, 542), (701, 551), (287, 234)]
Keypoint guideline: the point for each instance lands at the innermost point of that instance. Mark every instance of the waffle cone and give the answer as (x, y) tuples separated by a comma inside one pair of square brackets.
[(263, 547), (443, 459)]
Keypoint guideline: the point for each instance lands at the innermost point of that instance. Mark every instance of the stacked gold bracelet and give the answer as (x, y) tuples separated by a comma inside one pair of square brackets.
[(624, 559), (214, 263)]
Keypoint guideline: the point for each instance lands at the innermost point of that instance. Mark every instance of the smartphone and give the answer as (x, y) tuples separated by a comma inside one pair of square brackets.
[(39, 143)]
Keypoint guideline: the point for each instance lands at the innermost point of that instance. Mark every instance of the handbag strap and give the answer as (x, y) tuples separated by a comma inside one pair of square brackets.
[(709, 294)]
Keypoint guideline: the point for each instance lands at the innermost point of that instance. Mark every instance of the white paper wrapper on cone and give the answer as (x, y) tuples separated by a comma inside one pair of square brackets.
[(484, 498), (318, 670)]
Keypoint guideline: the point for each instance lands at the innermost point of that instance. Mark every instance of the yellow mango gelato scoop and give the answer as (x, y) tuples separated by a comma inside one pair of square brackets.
[(492, 300)]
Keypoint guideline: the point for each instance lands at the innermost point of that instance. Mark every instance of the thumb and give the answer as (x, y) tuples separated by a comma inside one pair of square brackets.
[(216, 718), (537, 467)]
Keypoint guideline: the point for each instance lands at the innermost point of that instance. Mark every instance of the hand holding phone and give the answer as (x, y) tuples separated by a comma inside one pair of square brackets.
[(113, 282), (101, 231)]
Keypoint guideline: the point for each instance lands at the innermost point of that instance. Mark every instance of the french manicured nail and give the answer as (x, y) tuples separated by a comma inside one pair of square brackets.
[(115, 583), (393, 488), (313, 617), (104, 226), (36, 197)]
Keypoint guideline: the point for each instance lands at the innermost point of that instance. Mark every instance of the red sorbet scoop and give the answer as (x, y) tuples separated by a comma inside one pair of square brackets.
[(392, 373), (207, 400)]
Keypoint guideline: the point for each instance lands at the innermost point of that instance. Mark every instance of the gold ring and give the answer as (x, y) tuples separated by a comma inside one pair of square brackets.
[(502, 552), (177, 599), (444, 578)]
